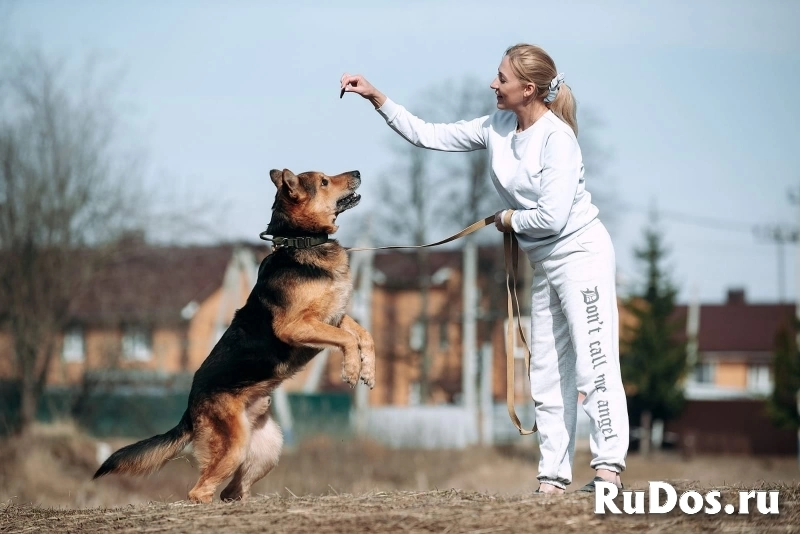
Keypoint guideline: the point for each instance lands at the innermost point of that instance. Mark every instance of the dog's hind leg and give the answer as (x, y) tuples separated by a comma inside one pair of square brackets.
[(222, 439), (266, 442)]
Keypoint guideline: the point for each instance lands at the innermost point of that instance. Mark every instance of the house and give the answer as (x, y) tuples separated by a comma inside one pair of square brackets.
[(735, 342), (155, 309), (732, 345)]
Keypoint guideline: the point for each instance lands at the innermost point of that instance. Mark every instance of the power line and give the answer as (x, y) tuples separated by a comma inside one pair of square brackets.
[(713, 223)]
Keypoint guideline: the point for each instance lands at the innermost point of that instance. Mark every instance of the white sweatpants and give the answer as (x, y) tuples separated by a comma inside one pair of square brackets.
[(575, 348)]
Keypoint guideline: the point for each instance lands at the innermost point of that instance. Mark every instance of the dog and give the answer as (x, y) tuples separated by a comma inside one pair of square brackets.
[(296, 308)]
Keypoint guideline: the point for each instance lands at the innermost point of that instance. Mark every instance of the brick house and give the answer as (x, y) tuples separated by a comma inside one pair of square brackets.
[(155, 308), (735, 344), (725, 410)]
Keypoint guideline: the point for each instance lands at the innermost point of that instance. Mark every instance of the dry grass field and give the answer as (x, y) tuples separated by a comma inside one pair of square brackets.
[(328, 485)]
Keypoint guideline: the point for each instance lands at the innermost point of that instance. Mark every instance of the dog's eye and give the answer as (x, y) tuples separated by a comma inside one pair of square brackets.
[(324, 181)]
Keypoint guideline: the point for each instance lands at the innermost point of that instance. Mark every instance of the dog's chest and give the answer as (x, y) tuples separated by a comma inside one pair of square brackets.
[(339, 293)]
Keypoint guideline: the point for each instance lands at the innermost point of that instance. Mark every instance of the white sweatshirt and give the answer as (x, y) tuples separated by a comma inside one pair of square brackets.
[(537, 172)]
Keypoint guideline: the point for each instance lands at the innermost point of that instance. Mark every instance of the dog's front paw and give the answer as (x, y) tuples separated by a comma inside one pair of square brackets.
[(350, 372), (368, 369), (200, 497)]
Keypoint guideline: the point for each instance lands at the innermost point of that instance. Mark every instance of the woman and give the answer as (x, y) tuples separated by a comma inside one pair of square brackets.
[(537, 168)]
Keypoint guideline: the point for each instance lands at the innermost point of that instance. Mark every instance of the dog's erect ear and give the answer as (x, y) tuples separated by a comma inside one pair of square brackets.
[(277, 177), (287, 179), (291, 183)]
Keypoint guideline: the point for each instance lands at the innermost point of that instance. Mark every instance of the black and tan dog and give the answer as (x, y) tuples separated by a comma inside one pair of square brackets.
[(296, 308)]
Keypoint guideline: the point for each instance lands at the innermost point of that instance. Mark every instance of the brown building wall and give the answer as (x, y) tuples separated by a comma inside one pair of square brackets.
[(731, 426), (175, 348), (103, 350)]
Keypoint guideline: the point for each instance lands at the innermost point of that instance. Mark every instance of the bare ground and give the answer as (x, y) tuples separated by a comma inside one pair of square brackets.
[(397, 511), (329, 485)]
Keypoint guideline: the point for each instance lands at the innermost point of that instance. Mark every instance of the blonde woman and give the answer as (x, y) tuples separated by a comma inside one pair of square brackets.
[(537, 169)]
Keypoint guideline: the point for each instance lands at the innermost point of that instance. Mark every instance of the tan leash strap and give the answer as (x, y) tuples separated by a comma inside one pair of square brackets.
[(511, 249), (466, 231)]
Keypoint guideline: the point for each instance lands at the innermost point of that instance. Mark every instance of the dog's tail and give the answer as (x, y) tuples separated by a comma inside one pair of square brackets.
[(149, 454)]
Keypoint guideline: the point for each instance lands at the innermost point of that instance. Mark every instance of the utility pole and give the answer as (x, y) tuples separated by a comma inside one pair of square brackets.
[(780, 236), (361, 272), (469, 338), (794, 198)]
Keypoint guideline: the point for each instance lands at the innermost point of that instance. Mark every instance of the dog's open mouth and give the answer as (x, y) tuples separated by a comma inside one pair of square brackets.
[(347, 202)]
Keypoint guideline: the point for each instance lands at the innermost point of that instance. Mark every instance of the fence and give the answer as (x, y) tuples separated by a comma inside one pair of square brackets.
[(140, 412), (136, 411)]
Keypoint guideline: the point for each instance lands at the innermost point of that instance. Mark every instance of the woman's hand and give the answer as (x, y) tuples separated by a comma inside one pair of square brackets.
[(503, 222), (355, 83)]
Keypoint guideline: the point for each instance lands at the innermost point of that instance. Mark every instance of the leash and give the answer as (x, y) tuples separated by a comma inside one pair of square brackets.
[(511, 254)]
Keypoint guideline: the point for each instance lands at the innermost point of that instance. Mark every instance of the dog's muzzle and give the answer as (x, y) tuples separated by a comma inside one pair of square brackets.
[(351, 199), (347, 202)]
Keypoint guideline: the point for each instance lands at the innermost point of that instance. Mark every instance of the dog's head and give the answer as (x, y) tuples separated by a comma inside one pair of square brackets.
[(311, 201)]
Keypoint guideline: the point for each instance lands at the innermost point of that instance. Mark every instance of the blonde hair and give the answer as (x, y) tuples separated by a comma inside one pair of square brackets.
[(532, 64)]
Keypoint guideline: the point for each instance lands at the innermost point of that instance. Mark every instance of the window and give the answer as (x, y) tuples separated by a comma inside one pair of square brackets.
[(704, 373), (72, 350), (758, 379), (136, 343)]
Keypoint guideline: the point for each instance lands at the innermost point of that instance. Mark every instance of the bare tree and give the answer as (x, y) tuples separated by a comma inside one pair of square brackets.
[(470, 197), (463, 178), (68, 193), (432, 192), (408, 202)]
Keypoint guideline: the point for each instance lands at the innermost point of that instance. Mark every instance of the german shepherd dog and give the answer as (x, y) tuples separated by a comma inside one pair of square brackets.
[(296, 308)]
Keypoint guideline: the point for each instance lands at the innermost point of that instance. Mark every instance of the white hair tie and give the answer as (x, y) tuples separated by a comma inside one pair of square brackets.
[(555, 83)]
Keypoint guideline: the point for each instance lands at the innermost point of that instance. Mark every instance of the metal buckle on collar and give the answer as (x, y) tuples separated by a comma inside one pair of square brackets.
[(296, 242)]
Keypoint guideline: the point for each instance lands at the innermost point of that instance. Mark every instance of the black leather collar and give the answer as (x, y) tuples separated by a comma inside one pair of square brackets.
[(295, 242)]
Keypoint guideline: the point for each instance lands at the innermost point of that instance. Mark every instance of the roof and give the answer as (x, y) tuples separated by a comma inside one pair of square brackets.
[(152, 284), (740, 327)]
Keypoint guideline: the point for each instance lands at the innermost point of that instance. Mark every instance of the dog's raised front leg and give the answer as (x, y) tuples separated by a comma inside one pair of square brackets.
[(315, 333), (367, 348)]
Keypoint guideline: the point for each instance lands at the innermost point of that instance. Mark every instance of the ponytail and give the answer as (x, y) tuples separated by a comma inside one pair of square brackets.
[(532, 64), (564, 107)]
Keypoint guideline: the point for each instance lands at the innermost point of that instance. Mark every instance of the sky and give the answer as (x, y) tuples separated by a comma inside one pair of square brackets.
[(697, 102)]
